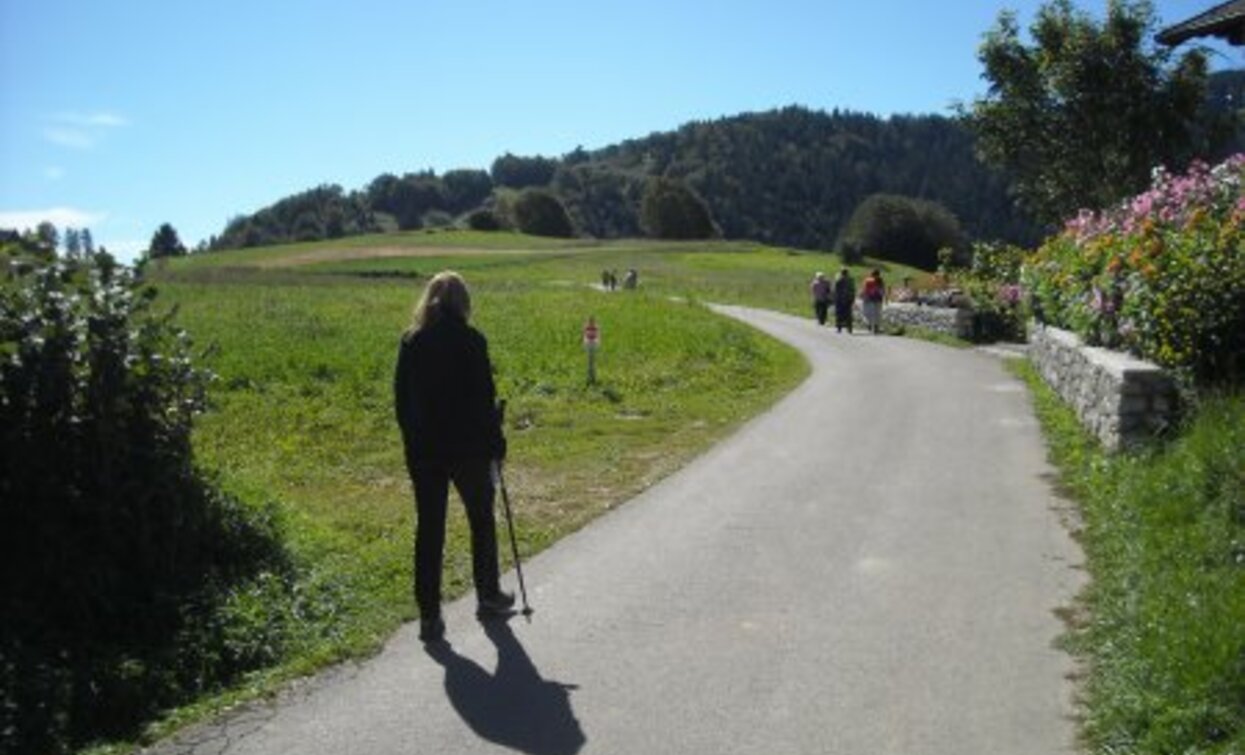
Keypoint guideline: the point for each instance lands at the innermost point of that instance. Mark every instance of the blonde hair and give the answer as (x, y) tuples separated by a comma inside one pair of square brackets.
[(446, 293)]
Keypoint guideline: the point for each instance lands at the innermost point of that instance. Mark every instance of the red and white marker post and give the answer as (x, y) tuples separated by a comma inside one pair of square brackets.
[(592, 342)]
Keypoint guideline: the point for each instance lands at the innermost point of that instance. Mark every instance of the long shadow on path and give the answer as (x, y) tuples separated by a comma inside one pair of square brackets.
[(514, 706)]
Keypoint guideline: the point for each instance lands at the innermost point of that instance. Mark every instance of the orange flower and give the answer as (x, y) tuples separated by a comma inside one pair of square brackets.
[(1114, 265), (1134, 258)]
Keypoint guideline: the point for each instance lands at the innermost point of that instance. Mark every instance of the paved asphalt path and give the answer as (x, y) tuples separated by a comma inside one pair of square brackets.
[(870, 567)]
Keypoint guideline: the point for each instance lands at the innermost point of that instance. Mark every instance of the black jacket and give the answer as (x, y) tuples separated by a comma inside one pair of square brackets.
[(844, 291), (444, 395)]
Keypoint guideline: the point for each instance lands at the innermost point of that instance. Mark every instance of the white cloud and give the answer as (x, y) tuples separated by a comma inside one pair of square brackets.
[(69, 137), (107, 120), (81, 130), (61, 217), (101, 119)]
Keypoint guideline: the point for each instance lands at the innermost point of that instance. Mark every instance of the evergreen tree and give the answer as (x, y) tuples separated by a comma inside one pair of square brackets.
[(47, 235), (165, 243), (73, 242)]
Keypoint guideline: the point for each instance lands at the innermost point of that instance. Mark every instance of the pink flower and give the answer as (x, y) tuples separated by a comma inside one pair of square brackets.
[(1010, 294)]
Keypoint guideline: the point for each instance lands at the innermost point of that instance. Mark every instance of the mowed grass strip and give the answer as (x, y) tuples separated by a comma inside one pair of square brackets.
[(403, 244), (732, 272), (1161, 628), (302, 415)]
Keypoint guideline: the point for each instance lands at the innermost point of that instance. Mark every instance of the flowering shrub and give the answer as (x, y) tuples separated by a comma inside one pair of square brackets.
[(1162, 275), (115, 553), (991, 287)]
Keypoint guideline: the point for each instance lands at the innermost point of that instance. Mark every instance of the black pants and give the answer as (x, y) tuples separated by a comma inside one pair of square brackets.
[(474, 483), (843, 316), (821, 308)]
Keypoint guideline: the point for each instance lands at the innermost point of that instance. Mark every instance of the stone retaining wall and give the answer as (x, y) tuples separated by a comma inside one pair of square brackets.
[(1119, 398), (956, 322)]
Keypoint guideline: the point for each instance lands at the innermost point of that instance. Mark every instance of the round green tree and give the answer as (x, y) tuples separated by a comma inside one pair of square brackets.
[(540, 213), (670, 209), (901, 229)]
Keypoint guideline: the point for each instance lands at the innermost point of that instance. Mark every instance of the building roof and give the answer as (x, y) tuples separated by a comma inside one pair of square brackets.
[(1226, 20)]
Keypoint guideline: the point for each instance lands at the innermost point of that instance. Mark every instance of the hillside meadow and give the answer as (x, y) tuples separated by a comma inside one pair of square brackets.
[(302, 340)]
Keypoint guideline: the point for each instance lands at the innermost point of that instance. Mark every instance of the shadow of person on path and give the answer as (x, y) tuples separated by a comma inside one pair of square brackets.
[(514, 706)]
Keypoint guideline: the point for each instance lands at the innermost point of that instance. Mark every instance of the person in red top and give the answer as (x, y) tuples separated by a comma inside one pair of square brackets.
[(873, 293)]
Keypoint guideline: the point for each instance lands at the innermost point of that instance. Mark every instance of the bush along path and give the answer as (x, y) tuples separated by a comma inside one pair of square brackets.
[(126, 572), (844, 574)]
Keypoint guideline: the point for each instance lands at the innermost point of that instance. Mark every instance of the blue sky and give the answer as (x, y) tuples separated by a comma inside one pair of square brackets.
[(119, 115)]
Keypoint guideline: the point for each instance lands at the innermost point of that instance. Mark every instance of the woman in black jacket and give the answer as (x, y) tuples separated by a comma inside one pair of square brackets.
[(451, 430)]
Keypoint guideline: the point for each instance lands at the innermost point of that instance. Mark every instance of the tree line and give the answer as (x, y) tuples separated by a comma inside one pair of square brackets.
[(790, 177)]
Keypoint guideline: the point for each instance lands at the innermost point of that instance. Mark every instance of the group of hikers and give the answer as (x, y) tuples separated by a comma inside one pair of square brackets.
[(841, 294), (609, 280)]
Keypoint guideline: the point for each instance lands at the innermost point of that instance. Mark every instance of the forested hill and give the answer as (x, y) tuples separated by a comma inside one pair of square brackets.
[(794, 176), (790, 177)]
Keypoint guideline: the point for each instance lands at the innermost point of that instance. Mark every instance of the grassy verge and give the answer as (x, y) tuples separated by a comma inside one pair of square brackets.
[(1162, 625), (302, 416)]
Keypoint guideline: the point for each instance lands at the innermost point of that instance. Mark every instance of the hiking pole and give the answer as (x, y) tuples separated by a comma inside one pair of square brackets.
[(514, 545), (505, 499)]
